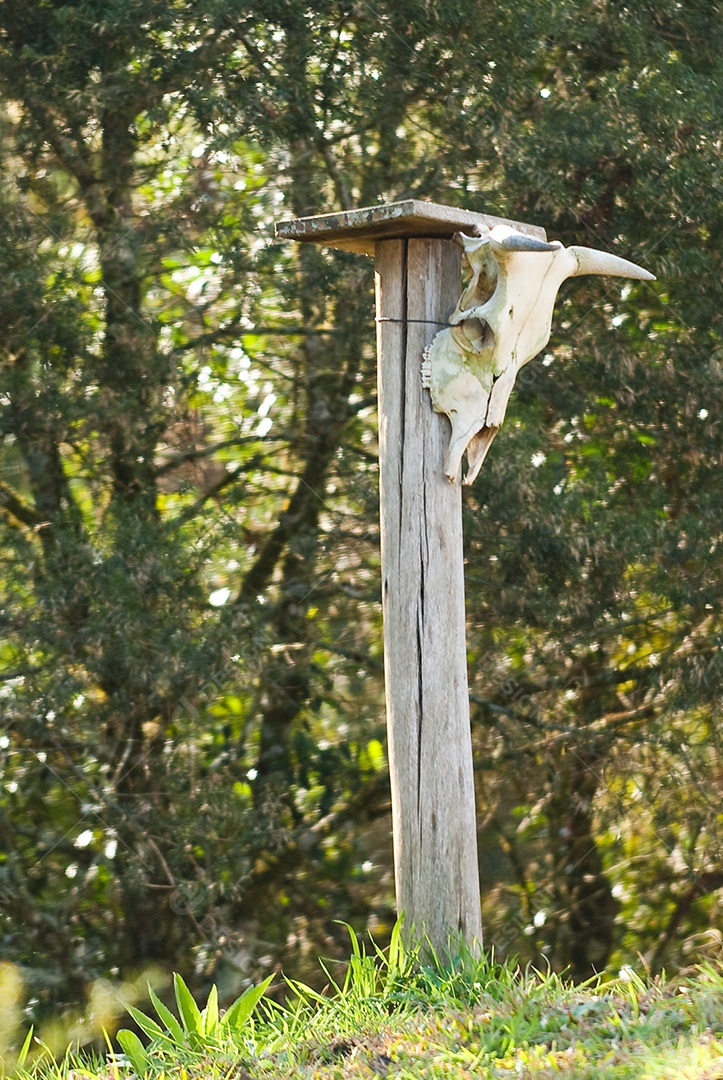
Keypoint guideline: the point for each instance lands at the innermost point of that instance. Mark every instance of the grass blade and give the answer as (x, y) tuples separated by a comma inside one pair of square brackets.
[(242, 1008), (210, 1013), (25, 1048), (305, 993), (355, 947), (166, 1016), (145, 1023), (187, 1007), (395, 954), (134, 1049)]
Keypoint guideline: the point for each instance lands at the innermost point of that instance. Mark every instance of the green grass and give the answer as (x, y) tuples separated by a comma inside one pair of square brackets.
[(393, 1016)]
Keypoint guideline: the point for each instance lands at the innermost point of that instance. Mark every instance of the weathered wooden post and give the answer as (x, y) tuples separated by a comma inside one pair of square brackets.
[(425, 660), (474, 344)]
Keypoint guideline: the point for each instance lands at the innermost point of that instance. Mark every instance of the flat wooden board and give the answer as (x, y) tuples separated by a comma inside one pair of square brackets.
[(358, 230)]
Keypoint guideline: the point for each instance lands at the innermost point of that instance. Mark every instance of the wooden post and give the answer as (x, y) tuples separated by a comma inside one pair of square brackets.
[(425, 660)]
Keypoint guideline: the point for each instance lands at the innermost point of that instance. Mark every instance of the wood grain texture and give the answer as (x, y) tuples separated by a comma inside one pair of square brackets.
[(430, 749), (358, 230)]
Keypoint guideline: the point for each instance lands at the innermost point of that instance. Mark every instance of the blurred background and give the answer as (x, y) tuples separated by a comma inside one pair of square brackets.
[(192, 747)]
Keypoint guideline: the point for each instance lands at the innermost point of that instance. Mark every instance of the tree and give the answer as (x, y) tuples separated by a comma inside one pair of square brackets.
[(192, 701), (122, 438)]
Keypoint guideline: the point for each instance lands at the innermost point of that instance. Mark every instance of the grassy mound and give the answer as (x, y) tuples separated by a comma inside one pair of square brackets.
[(393, 1016)]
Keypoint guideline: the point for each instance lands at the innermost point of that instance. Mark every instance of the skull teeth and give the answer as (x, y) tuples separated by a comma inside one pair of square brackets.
[(426, 370)]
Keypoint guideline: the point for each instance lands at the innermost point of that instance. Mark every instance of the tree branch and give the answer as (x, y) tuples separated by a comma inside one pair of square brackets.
[(232, 331), (702, 885), (186, 456), (26, 515), (20, 673), (229, 478), (71, 156)]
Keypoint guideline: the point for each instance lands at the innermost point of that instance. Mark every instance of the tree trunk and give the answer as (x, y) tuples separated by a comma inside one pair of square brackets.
[(586, 936)]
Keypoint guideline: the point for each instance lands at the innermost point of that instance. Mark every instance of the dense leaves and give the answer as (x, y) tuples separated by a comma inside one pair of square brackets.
[(192, 709)]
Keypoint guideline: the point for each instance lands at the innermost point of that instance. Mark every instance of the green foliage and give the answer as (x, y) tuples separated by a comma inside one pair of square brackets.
[(203, 1031), (191, 709)]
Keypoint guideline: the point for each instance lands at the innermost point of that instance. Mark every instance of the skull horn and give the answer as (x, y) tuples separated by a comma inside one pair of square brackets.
[(519, 242), (590, 261), (503, 238)]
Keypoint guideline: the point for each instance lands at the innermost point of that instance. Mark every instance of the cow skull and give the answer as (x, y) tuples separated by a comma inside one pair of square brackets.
[(502, 321)]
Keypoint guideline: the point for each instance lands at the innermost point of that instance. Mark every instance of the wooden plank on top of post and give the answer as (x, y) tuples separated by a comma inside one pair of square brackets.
[(359, 230), (429, 739)]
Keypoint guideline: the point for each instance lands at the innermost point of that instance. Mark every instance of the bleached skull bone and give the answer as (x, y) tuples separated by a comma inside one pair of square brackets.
[(502, 321)]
